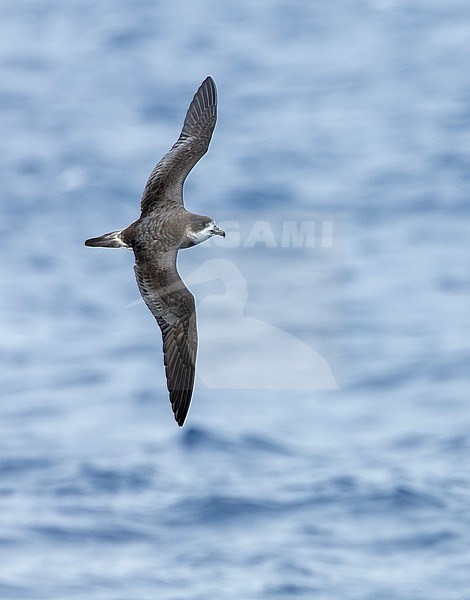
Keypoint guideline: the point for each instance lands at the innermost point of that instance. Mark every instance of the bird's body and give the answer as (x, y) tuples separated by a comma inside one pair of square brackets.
[(164, 228)]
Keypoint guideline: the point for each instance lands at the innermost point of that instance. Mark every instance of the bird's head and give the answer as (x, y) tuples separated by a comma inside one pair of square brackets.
[(201, 228)]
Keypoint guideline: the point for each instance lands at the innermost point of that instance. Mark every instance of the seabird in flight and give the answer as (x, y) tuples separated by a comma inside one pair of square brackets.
[(163, 228)]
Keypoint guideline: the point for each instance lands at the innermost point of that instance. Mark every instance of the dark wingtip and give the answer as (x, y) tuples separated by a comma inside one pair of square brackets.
[(211, 83), (201, 115), (180, 419), (181, 413), (208, 90), (180, 402), (209, 80)]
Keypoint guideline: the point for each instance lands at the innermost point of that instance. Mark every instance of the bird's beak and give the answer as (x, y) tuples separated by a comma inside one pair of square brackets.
[(217, 231)]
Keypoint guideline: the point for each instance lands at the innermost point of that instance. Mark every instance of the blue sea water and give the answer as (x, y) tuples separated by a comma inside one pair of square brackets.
[(355, 112)]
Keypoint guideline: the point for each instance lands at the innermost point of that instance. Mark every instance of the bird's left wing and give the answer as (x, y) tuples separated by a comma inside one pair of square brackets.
[(165, 184), (172, 304)]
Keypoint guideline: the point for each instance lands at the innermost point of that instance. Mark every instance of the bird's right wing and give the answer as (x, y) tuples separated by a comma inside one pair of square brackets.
[(165, 184), (172, 304)]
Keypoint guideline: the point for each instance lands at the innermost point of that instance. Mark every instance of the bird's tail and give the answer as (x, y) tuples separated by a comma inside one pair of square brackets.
[(108, 240)]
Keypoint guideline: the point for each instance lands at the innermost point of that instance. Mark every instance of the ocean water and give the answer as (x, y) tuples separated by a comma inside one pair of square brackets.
[(352, 115)]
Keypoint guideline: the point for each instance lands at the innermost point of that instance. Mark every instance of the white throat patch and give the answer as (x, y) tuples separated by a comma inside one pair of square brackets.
[(202, 236)]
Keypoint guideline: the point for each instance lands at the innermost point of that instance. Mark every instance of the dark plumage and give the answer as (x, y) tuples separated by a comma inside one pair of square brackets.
[(164, 227)]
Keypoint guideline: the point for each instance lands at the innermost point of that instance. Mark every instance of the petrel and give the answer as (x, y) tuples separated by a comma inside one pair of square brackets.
[(163, 228)]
